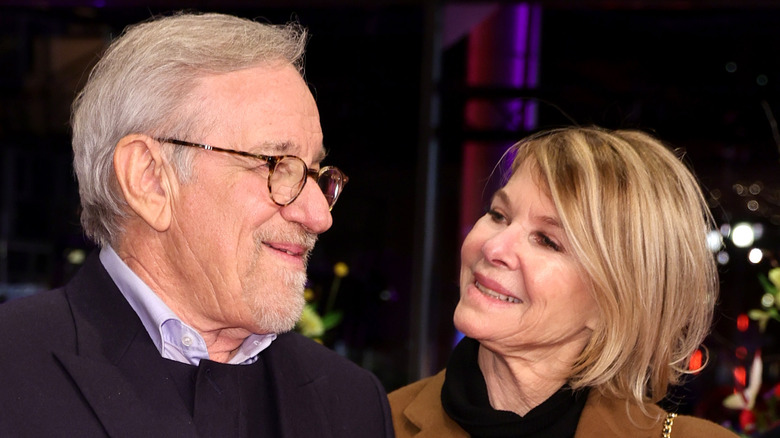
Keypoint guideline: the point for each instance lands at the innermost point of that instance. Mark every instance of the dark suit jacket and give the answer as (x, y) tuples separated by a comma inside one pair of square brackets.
[(77, 362), (418, 412)]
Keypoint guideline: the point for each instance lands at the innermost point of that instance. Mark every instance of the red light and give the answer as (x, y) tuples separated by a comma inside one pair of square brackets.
[(742, 322), (741, 352), (740, 376), (696, 361)]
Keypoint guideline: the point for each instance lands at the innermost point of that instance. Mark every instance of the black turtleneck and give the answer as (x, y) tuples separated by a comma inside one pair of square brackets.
[(465, 399)]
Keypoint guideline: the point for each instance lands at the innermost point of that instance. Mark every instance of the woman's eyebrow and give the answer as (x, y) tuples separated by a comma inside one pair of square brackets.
[(502, 195), (551, 220)]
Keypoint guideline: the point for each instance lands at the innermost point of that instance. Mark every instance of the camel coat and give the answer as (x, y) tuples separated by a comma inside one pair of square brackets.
[(418, 412)]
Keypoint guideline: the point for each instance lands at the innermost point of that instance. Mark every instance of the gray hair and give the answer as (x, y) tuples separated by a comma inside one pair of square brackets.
[(144, 83)]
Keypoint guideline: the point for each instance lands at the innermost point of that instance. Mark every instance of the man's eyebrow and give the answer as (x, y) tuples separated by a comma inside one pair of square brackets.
[(275, 148), (320, 155), (287, 148)]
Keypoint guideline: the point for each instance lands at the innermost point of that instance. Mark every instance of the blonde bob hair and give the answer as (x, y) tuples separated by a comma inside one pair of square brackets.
[(637, 220), (146, 82)]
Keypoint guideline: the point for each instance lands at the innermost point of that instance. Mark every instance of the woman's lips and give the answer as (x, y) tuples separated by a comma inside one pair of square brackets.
[(492, 289)]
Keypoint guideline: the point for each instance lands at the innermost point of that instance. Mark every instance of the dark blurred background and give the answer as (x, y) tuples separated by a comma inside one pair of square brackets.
[(417, 101)]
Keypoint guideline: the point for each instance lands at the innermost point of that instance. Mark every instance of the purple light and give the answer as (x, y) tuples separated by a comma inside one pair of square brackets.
[(520, 49), (535, 36)]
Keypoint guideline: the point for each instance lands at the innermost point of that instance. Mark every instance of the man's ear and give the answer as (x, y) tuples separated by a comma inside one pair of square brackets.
[(145, 180)]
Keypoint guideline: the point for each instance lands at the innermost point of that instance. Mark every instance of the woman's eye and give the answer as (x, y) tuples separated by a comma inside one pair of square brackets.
[(546, 241), (496, 216)]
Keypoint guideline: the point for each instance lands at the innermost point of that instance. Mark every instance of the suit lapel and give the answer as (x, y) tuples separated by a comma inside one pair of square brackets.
[(116, 366), (298, 387), (117, 404)]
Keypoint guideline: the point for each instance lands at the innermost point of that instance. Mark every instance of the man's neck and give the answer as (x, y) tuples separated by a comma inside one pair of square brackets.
[(166, 280)]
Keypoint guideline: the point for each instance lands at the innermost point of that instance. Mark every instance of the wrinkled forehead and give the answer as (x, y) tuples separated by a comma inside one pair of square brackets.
[(264, 110)]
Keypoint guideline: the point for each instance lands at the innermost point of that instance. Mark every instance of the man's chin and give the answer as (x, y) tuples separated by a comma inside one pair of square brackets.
[(279, 320)]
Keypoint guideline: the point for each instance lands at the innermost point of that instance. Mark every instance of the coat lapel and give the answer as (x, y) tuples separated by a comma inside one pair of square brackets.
[(427, 413), (115, 364), (117, 404), (299, 388)]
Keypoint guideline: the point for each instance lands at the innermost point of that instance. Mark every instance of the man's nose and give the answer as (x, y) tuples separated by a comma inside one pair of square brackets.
[(310, 209)]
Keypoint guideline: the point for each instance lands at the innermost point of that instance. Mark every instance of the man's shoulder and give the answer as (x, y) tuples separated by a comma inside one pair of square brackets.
[(351, 398), (32, 329), (295, 345), (34, 315), (299, 358)]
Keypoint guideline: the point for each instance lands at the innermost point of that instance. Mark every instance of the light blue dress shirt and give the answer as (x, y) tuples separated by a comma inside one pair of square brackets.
[(174, 339)]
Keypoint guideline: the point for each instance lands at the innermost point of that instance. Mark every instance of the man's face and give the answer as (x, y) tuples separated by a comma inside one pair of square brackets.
[(242, 257)]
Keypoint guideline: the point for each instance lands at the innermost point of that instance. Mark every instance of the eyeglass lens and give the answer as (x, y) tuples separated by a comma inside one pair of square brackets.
[(331, 182), (289, 176), (287, 180)]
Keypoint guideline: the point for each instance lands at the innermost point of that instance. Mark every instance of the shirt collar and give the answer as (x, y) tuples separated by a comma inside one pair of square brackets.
[(174, 339)]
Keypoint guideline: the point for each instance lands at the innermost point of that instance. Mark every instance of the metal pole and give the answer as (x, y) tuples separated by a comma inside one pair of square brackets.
[(420, 361)]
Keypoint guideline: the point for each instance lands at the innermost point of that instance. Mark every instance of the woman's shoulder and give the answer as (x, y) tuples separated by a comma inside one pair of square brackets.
[(605, 416), (694, 427)]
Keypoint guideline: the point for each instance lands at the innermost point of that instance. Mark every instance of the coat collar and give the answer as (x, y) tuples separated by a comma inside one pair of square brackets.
[(602, 416), (108, 378), (111, 365), (427, 413)]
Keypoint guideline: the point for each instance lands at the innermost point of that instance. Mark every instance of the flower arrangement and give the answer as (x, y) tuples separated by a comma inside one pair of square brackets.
[(314, 325), (770, 301), (759, 414)]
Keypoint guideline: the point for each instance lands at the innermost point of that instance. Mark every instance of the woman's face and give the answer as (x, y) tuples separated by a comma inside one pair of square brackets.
[(522, 291)]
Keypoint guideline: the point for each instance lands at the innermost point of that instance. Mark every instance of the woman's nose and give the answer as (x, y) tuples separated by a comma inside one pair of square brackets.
[(503, 248)]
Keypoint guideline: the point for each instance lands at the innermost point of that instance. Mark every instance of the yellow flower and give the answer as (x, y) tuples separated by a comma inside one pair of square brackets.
[(774, 277), (341, 269), (310, 323), (761, 316)]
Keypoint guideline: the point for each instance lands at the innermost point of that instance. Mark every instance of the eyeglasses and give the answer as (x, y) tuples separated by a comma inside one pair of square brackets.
[(287, 174)]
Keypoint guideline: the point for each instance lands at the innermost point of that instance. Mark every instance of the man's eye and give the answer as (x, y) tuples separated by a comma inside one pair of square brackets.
[(261, 167)]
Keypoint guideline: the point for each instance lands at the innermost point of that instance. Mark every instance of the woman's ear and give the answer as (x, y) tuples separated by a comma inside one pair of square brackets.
[(144, 179)]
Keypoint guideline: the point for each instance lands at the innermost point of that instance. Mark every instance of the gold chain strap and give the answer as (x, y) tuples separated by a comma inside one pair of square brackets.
[(667, 432)]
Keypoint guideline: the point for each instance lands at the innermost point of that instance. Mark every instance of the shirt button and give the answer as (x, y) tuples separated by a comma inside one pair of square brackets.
[(186, 340)]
